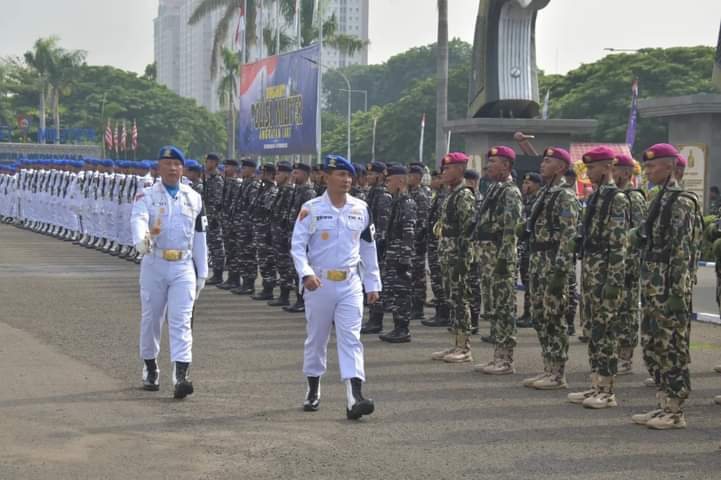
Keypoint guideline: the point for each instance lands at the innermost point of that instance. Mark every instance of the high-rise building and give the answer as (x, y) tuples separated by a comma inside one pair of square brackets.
[(183, 52)]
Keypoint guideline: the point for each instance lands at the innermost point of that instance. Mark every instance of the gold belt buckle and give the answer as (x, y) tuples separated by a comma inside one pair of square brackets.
[(172, 255), (337, 275)]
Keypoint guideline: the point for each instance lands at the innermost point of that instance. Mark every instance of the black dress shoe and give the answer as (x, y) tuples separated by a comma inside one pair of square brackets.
[(371, 328)]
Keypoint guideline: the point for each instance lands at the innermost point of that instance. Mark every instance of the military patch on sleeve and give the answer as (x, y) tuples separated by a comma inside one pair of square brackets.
[(304, 212)]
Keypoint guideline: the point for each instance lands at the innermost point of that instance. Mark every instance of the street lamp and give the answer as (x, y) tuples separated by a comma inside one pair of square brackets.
[(365, 97), (349, 90)]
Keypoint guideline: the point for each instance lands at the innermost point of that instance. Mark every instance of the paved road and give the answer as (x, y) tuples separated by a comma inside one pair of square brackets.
[(70, 406)]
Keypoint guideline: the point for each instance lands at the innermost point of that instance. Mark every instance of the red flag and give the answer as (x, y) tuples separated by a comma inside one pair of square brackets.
[(134, 140), (109, 136), (124, 138), (116, 140)]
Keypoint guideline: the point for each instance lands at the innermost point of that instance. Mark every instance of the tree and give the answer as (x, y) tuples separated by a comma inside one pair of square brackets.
[(41, 59), (226, 91), (61, 75), (151, 71), (442, 78)]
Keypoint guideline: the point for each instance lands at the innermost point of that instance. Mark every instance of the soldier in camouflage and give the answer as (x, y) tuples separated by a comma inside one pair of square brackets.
[(552, 233), (379, 203), (302, 192), (494, 232), (397, 271), (531, 185), (213, 187), (666, 271), (281, 231), (629, 313), (247, 261), (357, 189), (605, 227), (231, 189), (440, 301), (471, 178), (260, 215), (452, 231), (421, 196), (571, 180)]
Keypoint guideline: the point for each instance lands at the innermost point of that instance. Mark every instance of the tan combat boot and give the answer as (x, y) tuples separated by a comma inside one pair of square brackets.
[(717, 399), (579, 397), (643, 418), (555, 381), (604, 396), (717, 369), (672, 416), (625, 361), (650, 382), (462, 354), (546, 371), (442, 353), (503, 364)]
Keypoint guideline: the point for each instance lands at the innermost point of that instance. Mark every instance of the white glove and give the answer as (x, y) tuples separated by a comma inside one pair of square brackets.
[(143, 246), (199, 285)]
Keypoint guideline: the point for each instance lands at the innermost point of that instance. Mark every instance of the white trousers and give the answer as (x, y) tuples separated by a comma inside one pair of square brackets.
[(342, 303), (170, 284)]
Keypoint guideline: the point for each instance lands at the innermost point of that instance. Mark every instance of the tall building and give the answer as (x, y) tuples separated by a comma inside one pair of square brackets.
[(183, 52)]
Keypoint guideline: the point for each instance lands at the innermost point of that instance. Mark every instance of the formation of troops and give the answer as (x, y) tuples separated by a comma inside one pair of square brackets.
[(638, 251)]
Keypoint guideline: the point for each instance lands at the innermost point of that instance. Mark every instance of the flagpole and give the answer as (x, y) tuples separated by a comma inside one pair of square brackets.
[(448, 143), (420, 145), (297, 24), (277, 27), (373, 146), (319, 120)]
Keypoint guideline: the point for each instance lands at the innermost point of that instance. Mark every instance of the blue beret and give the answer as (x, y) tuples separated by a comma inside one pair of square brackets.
[(171, 152), (269, 168), (248, 162), (337, 162), (416, 168), (396, 169), (471, 174), (154, 164), (212, 156), (302, 166), (107, 163), (359, 169), (193, 166), (533, 177), (284, 166), (377, 167)]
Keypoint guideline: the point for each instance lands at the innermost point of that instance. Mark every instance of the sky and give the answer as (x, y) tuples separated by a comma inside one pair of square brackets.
[(568, 33)]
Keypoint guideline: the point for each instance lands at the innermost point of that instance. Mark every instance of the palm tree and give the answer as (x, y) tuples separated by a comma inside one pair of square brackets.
[(226, 91), (61, 76), (41, 59), (346, 44), (442, 75)]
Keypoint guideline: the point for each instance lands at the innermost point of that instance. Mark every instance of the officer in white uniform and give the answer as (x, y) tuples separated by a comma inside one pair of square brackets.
[(335, 256), (168, 226)]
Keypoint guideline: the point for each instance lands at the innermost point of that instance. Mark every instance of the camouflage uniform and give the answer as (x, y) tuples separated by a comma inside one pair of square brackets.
[(422, 199), (667, 271), (434, 265), (605, 227), (397, 264), (524, 255), (260, 216), (475, 281), (281, 231), (359, 192), (553, 226), (300, 195), (213, 199), (497, 218), (231, 190), (243, 233), (629, 314), (379, 202)]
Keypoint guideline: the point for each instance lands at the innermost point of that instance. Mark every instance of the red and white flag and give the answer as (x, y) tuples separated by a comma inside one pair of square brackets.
[(240, 31), (134, 139), (116, 140), (109, 137), (124, 138)]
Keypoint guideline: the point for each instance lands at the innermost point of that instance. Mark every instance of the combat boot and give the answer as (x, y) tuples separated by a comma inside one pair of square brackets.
[(717, 399), (643, 418), (625, 361), (475, 317), (232, 282), (490, 338), (217, 277), (374, 323), (717, 369), (248, 287), (108, 246), (132, 253), (672, 416), (417, 312), (183, 385), (283, 298), (556, 380), (524, 321), (442, 318), (114, 250), (462, 354), (439, 355), (138, 258), (151, 375), (298, 306), (124, 250), (580, 397), (312, 395), (546, 371), (399, 334), (357, 405), (502, 362), (604, 396), (650, 382), (266, 293)]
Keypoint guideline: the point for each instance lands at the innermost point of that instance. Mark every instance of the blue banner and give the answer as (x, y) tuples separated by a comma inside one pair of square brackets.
[(279, 103)]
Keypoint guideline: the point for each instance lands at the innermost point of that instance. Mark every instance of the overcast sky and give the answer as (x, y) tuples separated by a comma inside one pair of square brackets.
[(569, 32)]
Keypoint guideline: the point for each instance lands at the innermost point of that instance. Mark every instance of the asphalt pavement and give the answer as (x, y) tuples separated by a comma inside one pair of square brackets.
[(71, 406)]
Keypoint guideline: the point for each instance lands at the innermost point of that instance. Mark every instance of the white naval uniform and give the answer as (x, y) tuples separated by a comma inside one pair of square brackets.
[(328, 239), (169, 283)]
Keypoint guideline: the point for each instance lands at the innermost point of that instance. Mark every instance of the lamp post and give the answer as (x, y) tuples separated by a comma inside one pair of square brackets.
[(349, 90)]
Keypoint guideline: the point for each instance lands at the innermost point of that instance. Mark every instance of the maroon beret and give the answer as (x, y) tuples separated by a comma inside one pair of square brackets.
[(502, 151), (455, 158), (623, 160), (598, 154), (660, 150), (559, 153), (681, 161)]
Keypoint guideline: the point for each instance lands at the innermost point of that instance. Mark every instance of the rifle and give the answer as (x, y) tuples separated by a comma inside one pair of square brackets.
[(586, 225), (537, 209), (647, 231)]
